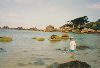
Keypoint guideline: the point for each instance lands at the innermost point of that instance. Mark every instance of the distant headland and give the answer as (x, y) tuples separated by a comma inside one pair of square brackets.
[(77, 25)]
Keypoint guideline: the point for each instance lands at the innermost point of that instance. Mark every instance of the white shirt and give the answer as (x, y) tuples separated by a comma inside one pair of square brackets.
[(72, 45)]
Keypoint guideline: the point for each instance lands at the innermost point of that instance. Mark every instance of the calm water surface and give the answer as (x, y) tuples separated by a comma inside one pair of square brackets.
[(25, 50)]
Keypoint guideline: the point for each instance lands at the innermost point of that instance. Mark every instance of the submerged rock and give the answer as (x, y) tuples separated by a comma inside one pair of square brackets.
[(71, 64), (82, 47), (2, 50), (39, 61), (21, 64), (59, 49), (34, 38), (54, 65)]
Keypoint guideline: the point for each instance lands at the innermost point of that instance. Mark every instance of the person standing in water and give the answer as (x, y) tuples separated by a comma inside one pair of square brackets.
[(72, 47)]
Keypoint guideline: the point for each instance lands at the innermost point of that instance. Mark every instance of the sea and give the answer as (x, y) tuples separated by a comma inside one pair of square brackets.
[(25, 52)]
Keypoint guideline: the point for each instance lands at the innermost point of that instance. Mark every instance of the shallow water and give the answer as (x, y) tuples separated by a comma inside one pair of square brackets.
[(23, 51)]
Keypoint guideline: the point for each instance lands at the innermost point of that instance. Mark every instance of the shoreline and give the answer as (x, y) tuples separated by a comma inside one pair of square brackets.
[(56, 31)]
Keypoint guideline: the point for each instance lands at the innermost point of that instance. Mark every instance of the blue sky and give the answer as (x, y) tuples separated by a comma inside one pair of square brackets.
[(40, 13)]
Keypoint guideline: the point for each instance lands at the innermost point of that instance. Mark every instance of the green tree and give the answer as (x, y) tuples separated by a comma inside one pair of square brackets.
[(67, 25), (79, 22), (89, 25), (96, 26), (98, 20)]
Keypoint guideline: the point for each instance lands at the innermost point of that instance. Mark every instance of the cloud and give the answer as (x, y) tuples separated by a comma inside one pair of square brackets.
[(95, 6), (9, 15), (20, 1)]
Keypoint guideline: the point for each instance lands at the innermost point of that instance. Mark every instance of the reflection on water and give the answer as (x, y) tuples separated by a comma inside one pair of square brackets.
[(23, 50)]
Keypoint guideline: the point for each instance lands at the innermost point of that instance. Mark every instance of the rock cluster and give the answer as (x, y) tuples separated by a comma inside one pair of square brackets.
[(71, 64)]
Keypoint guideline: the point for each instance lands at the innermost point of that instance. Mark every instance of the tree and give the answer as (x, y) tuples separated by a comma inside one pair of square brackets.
[(98, 20), (5, 27), (67, 25), (93, 25), (89, 25), (79, 22), (96, 26)]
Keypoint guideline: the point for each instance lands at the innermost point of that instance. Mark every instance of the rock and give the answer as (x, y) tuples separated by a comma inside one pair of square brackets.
[(34, 38), (74, 64), (39, 61), (71, 64), (40, 39), (5, 39), (59, 49), (82, 47), (48, 59), (54, 65), (2, 50), (21, 64)]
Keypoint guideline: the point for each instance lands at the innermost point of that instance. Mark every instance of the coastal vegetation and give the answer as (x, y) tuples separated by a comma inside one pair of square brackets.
[(82, 25), (94, 25), (77, 25)]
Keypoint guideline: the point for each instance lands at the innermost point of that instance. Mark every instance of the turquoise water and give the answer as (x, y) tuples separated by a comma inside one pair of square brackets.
[(24, 47)]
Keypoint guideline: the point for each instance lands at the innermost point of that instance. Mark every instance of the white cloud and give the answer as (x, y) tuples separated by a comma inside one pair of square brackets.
[(95, 6), (20, 1), (4, 15)]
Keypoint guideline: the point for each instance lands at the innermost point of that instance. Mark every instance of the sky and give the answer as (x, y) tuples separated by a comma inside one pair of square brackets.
[(41, 13)]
